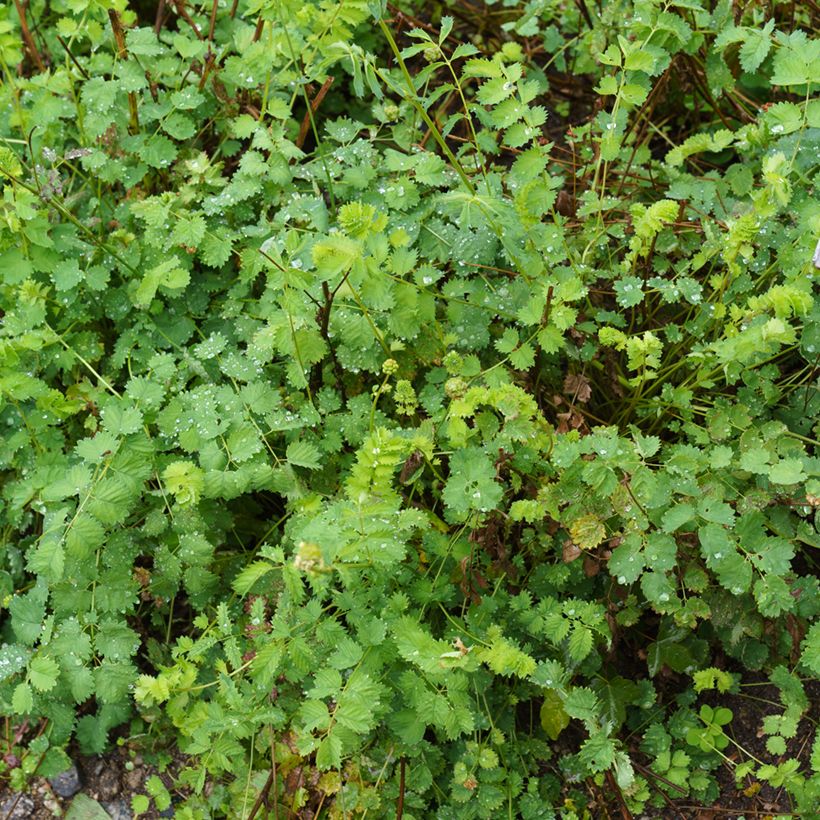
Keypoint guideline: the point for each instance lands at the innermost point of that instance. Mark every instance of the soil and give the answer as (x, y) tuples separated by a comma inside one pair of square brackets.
[(754, 799), (112, 780)]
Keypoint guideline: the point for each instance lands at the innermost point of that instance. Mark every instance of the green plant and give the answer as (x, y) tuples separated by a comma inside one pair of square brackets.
[(374, 418), (711, 735)]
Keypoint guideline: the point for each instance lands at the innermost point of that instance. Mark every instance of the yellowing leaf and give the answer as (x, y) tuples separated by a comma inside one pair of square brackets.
[(587, 531), (553, 717)]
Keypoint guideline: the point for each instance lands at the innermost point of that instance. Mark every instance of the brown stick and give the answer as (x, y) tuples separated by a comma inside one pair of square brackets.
[(582, 7), (323, 318), (31, 46), (233, 8), (662, 779), (158, 20), (122, 54), (179, 5), (400, 802), (625, 812), (317, 101), (206, 70), (73, 58), (257, 804), (213, 22)]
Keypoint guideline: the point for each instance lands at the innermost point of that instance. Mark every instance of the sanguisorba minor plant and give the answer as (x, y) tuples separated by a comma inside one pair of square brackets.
[(403, 415)]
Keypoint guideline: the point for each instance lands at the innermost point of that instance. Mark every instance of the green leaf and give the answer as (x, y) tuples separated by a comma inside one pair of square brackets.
[(810, 657), (756, 45), (787, 471), (659, 590), (675, 517), (715, 543), (776, 745), (471, 485), (581, 703), (639, 60), (245, 580), (627, 561), (168, 273), (185, 481), (140, 804), (84, 807), (28, 613), (67, 275), (504, 657), (661, 552), (156, 788), (598, 752), (580, 643), (188, 231), (797, 62), (22, 701), (43, 673), (115, 640), (335, 255), (329, 753), (303, 454)]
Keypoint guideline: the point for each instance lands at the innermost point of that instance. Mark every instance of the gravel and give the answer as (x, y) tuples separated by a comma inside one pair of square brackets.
[(67, 783), (118, 809), (17, 807)]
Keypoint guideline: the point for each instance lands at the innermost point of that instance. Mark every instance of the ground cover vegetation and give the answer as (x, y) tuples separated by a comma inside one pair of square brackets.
[(411, 411)]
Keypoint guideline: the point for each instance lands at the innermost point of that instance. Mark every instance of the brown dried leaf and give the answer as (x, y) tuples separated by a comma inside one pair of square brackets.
[(578, 386), (572, 420), (591, 566), (571, 551)]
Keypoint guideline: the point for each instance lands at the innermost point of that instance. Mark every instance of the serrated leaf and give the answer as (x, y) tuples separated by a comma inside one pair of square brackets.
[(756, 45), (243, 582), (787, 471), (581, 703), (675, 517), (627, 561), (303, 454), (329, 753), (580, 643), (43, 673), (471, 485), (22, 701)]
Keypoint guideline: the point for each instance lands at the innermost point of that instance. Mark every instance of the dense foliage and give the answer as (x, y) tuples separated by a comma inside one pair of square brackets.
[(425, 399)]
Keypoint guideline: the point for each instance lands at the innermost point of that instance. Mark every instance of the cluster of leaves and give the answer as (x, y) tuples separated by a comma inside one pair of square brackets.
[(368, 401)]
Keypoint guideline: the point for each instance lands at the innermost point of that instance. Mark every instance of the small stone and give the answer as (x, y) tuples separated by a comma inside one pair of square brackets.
[(17, 807), (67, 783), (169, 812), (118, 810)]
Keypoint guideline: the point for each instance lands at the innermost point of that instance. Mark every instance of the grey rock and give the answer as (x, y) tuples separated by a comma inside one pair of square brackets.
[(169, 812), (67, 783), (17, 807), (118, 810)]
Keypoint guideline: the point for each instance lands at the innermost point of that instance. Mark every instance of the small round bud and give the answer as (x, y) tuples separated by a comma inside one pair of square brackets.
[(390, 367), (453, 362), (455, 388)]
